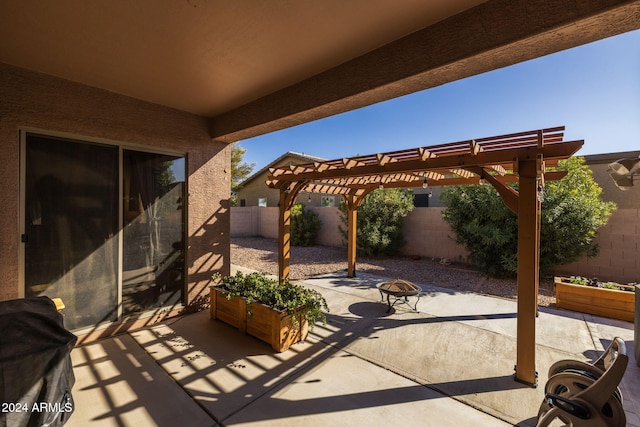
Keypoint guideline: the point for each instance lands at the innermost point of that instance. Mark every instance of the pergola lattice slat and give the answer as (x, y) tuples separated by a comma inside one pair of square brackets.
[(496, 153)]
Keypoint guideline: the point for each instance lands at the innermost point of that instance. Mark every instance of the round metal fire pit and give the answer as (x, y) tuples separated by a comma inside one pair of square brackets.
[(400, 290)]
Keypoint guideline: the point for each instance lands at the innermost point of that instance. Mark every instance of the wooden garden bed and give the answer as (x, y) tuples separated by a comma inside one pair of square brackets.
[(266, 324), (604, 302)]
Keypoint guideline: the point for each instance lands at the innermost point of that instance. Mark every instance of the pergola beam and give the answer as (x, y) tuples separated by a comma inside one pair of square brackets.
[(509, 195)]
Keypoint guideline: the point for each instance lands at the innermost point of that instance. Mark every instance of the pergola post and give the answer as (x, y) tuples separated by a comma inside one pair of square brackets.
[(284, 236), (288, 196), (352, 216), (528, 270)]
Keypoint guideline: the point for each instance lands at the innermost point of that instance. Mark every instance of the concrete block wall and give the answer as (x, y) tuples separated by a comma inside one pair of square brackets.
[(428, 235), (244, 221), (268, 222), (263, 222), (329, 220), (619, 256)]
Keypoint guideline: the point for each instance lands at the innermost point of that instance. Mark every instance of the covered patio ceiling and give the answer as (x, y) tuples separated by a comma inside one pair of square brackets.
[(520, 158), (255, 67)]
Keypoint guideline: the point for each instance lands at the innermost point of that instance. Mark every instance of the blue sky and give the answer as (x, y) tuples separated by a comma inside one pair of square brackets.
[(593, 90)]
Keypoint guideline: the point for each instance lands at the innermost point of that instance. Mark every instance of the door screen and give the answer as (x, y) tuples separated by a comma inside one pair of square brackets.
[(71, 223)]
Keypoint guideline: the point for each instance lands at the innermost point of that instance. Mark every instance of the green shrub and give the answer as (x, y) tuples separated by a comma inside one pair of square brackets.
[(572, 212), (305, 225), (379, 221)]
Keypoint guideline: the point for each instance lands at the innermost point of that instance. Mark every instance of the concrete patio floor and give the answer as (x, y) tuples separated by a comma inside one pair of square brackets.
[(449, 364)]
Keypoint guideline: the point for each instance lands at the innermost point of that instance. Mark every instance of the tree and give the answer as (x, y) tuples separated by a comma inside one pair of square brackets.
[(379, 221), (239, 170), (571, 214)]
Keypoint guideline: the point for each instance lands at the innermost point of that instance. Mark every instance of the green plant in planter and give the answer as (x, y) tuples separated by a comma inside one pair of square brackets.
[(293, 299), (619, 287), (579, 281)]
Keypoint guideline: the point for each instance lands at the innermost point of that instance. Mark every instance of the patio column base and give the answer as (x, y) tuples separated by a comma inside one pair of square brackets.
[(532, 385)]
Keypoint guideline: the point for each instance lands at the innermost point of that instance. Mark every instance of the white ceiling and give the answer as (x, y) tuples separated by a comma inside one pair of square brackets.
[(203, 56)]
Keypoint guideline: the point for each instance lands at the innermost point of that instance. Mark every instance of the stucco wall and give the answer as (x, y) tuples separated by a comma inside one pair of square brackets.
[(37, 101), (256, 188)]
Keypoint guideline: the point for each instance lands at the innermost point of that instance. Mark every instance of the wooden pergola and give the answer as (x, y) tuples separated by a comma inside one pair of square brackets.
[(500, 160)]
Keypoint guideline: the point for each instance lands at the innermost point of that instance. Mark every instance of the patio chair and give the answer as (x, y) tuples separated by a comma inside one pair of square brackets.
[(585, 394)]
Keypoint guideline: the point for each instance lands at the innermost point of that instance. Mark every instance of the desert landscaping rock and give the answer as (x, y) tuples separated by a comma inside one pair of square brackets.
[(261, 254)]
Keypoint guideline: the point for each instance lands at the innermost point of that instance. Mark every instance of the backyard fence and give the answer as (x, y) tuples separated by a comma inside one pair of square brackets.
[(428, 235)]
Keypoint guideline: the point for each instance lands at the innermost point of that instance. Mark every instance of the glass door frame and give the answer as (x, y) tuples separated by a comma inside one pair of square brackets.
[(122, 146)]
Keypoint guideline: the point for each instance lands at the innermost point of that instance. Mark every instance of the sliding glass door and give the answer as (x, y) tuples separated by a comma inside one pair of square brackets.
[(103, 228), (153, 232)]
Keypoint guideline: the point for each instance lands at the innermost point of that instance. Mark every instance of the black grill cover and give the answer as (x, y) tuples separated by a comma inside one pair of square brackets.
[(35, 364)]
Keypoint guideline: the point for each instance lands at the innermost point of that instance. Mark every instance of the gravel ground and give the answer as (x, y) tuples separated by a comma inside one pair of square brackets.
[(262, 254)]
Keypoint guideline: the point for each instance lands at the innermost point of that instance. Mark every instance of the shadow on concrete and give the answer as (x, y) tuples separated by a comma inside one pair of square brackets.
[(224, 377)]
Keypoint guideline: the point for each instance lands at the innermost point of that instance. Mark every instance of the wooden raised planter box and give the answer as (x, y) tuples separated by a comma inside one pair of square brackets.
[(603, 302), (269, 325)]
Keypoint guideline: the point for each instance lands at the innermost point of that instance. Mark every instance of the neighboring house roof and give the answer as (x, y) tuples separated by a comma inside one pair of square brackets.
[(594, 159), (304, 158)]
